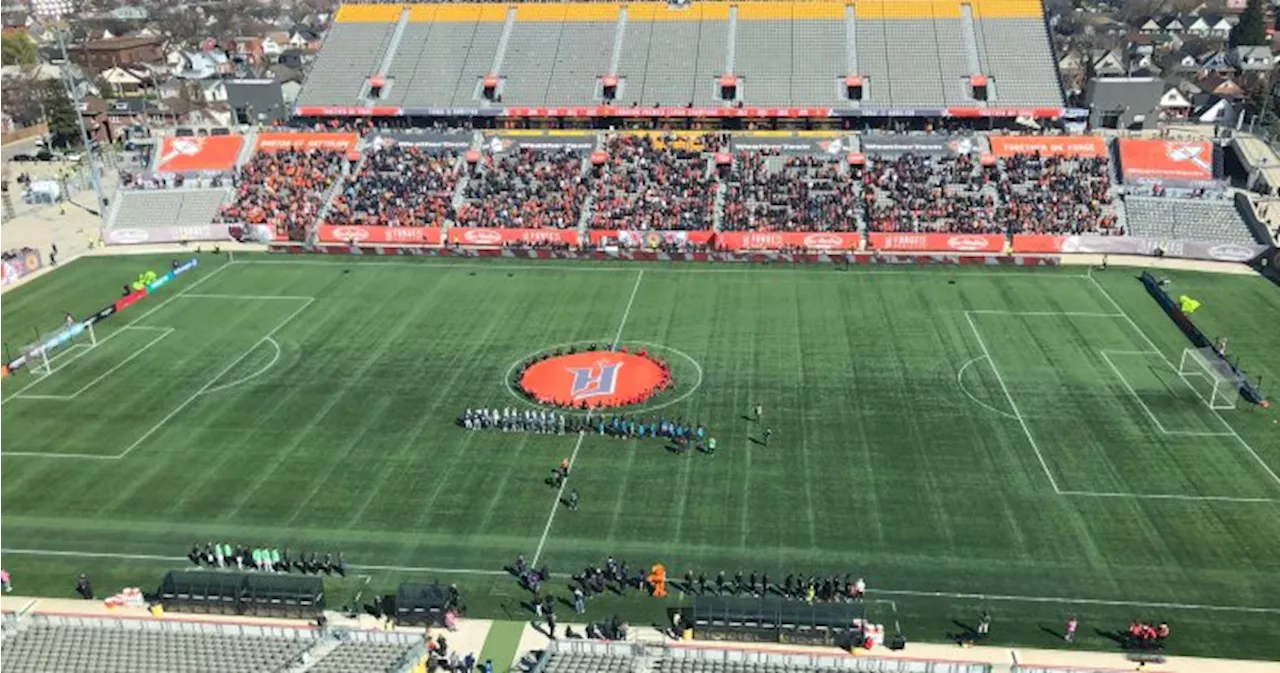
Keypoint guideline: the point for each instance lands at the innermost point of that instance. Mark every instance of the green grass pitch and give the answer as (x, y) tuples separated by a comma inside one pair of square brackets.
[(1014, 441)]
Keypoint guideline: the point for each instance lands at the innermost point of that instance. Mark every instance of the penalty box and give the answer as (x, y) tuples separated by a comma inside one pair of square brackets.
[(1106, 414), (146, 375)]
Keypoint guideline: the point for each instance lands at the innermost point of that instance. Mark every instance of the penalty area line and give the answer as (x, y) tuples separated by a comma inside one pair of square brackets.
[(910, 593)]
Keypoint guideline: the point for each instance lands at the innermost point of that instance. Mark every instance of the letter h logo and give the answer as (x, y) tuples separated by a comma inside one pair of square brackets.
[(602, 379)]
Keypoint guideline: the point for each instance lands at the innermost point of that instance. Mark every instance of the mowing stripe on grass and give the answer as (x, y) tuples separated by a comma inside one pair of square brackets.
[(502, 644)]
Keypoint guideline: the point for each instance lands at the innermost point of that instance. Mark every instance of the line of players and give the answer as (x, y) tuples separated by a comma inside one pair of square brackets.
[(266, 559), (544, 421), (540, 421), (833, 588)]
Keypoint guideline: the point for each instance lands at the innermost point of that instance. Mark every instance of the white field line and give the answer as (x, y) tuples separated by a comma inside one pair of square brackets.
[(672, 267), (167, 331), (83, 350), (1231, 430), (555, 505), (248, 296), (213, 380), (246, 379), (185, 403), (1185, 433), (1041, 314), (988, 407), (1169, 496), (871, 592), (1012, 405)]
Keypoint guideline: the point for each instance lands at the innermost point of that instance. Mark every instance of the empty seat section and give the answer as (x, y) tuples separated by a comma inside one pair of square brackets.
[(477, 63), (1217, 221), (404, 67), (583, 56), (528, 63), (166, 208), (670, 78), (873, 61), (439, 65), (953, 57), (713, 51), (915, 73), (818, 62), (633, 62), (1018, 57), (763, 55), (352, 52)]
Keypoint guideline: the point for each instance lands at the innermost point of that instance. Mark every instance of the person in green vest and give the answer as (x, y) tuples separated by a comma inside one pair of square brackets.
[(257, 558), (226, 553), (711, 445), (275, 559)]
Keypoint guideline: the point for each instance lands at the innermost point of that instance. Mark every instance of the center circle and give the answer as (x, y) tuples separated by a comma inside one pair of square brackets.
[(595, 379)]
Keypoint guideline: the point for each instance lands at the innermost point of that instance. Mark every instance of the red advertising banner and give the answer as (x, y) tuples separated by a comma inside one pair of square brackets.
[(1153, 160), (777, 240), (929, 242), (1049, 146), (371, 234), (348, 111), (983, 112), (195, 154), (130, 299), (1038, 243), (273, 141), (496, 237)]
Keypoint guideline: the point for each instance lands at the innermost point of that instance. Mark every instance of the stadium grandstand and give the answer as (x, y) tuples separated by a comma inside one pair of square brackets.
[(819, 62)]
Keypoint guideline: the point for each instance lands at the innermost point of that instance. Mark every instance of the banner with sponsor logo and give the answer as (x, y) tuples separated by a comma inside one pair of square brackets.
[(375, 234), (649, 239), (933, 242), (1128, 245), (209, 154), (25, 262), (1049, 146), (200, 232), (893, 145), (777, 240), (496, 237), (430, 141), (834, 146), (675, 111), (276, 141), (1154, 161), (497, 144)]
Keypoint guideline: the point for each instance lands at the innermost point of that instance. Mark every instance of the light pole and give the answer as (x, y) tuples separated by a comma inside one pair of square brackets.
[(55, 10)]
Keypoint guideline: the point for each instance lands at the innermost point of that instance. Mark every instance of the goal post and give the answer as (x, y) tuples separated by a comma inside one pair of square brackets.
[(1213, 379), (40, 354)]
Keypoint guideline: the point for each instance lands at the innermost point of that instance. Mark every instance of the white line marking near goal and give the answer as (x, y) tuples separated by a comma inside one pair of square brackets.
[(582, 435), (1015, 598), (1156, 348), (1185, 433), (246, 379), (187, 402), (166, 331), (1045, 314), (960, 382), (1012, 405), (1169, 496), (83, 350), (248, 296)]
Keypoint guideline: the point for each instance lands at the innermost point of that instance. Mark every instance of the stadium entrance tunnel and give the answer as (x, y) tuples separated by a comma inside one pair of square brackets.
[(594, 378)]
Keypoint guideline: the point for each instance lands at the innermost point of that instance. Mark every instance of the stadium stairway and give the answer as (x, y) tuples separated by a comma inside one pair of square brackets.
[(731, 50), (392, 47), (503, 41), (619, 35), (970, 39)]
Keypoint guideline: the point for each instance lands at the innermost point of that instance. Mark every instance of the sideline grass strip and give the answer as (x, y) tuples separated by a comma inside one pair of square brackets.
[(501, 644)]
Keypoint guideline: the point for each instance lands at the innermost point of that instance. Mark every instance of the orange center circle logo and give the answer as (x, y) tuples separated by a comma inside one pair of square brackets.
[(594, 379)]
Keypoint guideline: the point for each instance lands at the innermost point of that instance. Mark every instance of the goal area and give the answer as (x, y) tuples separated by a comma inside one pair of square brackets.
[(1213, 379), (37, 356)]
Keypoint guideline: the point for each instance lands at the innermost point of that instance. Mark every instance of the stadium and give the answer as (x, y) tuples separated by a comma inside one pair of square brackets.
[(738, 336)]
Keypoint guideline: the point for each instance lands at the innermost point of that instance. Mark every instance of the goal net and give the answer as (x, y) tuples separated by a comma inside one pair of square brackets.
[(39, 355), (1212, 378)]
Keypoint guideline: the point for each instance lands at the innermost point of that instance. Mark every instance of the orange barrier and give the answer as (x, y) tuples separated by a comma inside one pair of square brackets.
[(275, 141), (929, 242), (1053, 146), (351, 233)]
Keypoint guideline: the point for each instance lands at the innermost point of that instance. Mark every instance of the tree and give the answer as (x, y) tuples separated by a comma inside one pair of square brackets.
[(1252, 29), (18, 49), (64, 122)]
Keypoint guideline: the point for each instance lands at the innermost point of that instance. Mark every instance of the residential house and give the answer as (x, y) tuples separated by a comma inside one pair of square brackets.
[(199, 64), (124, 80), (1141, 45), (1221, 86), (93, 110), (1147, 25), (102, 54), (1210, 109), (1131, 103), (248, 50), (1187, 65), (1216, 61), (1106, 63), (305, 39), (294, 58), (274, 44), (1251, 58), (15, 22), (1174, 105)]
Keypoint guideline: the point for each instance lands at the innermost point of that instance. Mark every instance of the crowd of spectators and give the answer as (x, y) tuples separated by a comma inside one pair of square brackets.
[(525, 189), (399, 185), (918, 193), (284, 189), (655, 183), (808, 193), (1056, 195)]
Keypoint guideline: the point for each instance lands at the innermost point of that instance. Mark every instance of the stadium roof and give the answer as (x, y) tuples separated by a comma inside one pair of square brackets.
[(783, 59)]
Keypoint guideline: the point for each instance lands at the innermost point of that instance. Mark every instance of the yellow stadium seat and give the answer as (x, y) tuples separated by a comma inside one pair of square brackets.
[(368, 13)]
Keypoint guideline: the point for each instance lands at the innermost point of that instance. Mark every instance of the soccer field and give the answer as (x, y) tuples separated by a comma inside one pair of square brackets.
[(1016, 440)]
